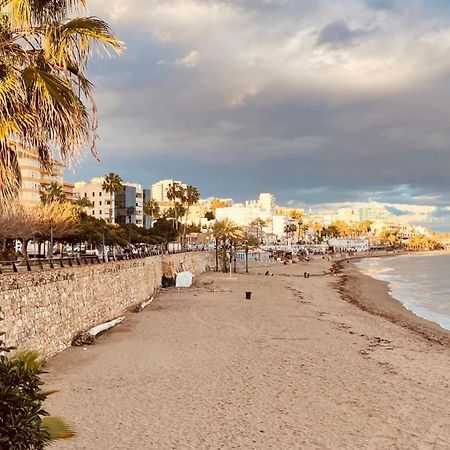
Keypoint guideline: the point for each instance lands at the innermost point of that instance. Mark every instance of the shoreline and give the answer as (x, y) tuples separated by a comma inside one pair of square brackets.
[(373, 296)]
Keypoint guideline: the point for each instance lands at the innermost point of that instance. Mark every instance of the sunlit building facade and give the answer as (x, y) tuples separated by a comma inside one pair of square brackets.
[(34, 176)]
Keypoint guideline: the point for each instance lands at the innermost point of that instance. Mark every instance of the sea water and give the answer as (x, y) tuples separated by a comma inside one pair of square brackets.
[(420, 282)]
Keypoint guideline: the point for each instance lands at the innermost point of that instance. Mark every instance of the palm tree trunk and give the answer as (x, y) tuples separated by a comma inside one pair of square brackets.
[(246, 259), (224, 256), (24, 248), (217, 255)]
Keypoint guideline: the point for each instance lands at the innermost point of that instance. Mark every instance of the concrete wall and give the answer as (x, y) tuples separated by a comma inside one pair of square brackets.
[(46, 310)]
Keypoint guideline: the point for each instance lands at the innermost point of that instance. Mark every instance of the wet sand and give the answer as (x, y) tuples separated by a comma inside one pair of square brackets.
[(295, 367)]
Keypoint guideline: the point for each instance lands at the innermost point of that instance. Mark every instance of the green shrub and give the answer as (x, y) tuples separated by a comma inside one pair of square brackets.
[(24, 424)]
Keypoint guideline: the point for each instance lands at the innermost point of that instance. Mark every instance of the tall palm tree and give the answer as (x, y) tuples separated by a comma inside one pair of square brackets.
[(112, 184), (46, 99), (192, 196), (176, 193), (225, 232), (151, 208), (52, 192)]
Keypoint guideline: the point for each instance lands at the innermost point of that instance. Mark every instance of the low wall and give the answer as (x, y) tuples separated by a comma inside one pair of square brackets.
[(46, 310)]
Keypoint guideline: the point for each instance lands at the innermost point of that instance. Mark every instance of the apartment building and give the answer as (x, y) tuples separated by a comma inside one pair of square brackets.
[(124, 207), (34, 176), (160, 190)]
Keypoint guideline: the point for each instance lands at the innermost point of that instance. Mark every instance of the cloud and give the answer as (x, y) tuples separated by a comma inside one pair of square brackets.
[(190, 60), (338, 34), (381, 4), (364, 115)]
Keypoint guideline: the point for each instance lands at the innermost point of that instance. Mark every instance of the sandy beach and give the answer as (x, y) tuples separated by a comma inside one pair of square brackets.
[(299, 366)]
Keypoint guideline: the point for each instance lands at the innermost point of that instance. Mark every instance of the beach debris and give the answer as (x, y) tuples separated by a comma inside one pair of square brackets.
[(184, 279), (143, 305), (88, 337), (167, 282)]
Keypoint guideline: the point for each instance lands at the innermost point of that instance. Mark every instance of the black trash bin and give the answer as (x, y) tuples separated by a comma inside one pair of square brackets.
[(248, 295)]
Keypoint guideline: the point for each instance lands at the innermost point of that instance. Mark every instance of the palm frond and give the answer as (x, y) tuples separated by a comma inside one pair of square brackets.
[(75, 40), (56, 428), (31, 360), (28, 13), (10, 176)]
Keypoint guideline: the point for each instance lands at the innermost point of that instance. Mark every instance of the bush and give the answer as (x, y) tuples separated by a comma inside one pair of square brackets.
[(24, 424)]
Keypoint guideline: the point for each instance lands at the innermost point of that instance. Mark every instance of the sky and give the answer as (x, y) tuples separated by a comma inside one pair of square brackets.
[(320, 102)]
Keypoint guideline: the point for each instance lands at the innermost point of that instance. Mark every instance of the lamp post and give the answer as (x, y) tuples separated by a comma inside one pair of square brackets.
[(104, 248), (51, 239)]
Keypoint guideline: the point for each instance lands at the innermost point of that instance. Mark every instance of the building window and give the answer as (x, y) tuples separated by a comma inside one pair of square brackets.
[(93, 203), (100, 203), (85, 194), (100, 212), (100, 194)]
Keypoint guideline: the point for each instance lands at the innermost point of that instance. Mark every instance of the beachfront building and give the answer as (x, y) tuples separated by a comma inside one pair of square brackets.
[(349, 245), (122, 207), (243, 214), (34, 177)]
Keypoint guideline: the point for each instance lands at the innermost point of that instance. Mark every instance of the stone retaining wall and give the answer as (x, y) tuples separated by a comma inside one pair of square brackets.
[(46, 310)]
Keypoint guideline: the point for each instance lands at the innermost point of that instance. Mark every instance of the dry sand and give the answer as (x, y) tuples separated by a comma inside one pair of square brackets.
[(295, 367)]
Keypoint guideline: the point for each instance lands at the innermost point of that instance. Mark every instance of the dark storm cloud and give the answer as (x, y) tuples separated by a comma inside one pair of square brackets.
[(338, 34)]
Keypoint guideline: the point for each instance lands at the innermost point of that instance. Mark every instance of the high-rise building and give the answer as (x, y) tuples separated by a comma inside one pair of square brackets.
[(34, 176)]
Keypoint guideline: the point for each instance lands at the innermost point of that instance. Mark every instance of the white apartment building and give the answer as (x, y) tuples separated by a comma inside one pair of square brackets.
[(349, 245), (34, 177), (267, 201), (103, 205), (121, 207), (160, 189), (243, 214)]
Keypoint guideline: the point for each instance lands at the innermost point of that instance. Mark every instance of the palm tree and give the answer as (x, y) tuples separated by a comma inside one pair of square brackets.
[(192, 196), (174, 193), (112, 184), (83, 202), (248, 241), (52, 192), (225, 232), (152, 209), (258, 223), (289, 229), (46, 99)]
